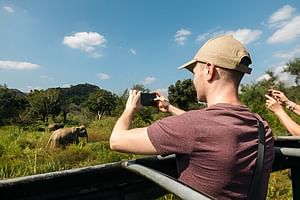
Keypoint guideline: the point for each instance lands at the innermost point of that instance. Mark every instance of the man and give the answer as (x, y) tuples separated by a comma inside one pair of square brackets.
[(215, 147)]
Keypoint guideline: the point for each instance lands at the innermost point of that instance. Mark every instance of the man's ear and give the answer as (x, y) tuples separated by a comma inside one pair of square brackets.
[(210, 70)]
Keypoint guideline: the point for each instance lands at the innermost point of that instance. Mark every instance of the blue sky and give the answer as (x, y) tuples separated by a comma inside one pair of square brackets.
[(118, 43)]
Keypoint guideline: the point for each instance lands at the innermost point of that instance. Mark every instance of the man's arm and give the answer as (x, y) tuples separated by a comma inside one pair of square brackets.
[(297, 109), (286, 121), (124, 139), (174, 110), (165, 106), (280, 96), (292, 106)]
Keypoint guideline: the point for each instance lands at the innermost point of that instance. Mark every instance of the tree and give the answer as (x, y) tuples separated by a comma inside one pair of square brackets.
[(294, 69), (101, 101), (183, 95), (44, 103), (121, 102), (140, 87), (72, 98), (23, 119), (253, 95), (12, 103), (3, 86)]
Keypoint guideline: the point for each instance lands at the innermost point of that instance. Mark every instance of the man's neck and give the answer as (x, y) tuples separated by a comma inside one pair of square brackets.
[(228, 95)]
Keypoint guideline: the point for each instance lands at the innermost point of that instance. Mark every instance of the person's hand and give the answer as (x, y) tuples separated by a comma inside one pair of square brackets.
[(162, 102), (133, 102), (272, 104), (279, 96)]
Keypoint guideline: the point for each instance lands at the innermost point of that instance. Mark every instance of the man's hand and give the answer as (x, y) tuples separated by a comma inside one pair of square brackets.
[(273, 105), (165, 106), (127, 140), (163, 103), (279, 96), (282, 99), (133, 102)]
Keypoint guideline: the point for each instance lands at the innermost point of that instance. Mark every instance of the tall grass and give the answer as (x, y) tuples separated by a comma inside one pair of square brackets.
[(24, 153), (280, 186)]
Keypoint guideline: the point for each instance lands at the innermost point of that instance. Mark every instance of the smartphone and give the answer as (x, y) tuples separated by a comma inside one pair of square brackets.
[(269, 93), (147, 99)]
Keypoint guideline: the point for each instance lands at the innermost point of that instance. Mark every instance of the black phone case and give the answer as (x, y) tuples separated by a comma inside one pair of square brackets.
[(147, 99)]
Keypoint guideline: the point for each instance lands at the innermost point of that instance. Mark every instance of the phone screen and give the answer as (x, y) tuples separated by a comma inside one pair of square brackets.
[(147, 99)]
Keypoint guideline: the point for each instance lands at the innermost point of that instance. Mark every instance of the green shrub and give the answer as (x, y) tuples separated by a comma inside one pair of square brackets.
[(280, 186)]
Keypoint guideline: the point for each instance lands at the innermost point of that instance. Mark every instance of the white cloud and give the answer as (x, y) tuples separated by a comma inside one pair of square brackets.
[(279, 69), (279, 18), (285, 77), (95, 55), (132, 51), (8, 9), (181, 36), (263, 77), (66, 85), (245, 36), (288, 55), (148, 80), (17, 65), (33, 88), (203, 37), (103, 76), (286, 24), (86, 41), (287, 33)]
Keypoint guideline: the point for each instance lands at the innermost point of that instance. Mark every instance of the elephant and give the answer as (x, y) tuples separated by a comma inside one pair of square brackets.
[(83, 133), (64, 136), (55, 126)]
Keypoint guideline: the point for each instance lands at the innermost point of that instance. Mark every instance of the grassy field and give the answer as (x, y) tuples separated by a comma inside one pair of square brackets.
[(24, 153)]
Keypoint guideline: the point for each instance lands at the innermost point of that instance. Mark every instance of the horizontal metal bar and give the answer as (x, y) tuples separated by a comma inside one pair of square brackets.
[(57, 174), (291, 152), (166, 182), (287, 138)]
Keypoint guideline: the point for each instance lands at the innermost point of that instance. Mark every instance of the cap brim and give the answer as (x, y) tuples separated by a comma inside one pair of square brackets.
[(189, 65)]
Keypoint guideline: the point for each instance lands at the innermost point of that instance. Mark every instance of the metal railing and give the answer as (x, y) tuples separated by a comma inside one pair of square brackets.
[(145, 178)]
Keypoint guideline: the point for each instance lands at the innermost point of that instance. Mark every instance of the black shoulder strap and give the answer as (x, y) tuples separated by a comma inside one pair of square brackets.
[(254, 189)]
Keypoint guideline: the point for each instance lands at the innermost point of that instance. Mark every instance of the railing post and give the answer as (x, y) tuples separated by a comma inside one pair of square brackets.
[(296, 182)]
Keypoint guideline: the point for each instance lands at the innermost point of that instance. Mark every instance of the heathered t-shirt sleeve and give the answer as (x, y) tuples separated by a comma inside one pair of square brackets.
[(172, 135)]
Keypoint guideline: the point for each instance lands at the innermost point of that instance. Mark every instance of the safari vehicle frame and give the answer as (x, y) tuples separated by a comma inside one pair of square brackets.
[(144, 178)]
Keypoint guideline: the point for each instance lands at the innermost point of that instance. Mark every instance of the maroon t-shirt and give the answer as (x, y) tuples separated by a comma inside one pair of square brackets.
[(216, 148)]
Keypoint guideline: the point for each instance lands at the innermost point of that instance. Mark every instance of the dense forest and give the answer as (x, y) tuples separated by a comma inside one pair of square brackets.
[(38, 108), (24, 118)]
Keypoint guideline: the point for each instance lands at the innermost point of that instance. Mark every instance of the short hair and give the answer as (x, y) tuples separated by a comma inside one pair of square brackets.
[(230, 75)]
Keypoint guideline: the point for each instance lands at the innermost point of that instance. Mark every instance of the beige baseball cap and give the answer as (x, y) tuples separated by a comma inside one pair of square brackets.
[(224, 52)]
